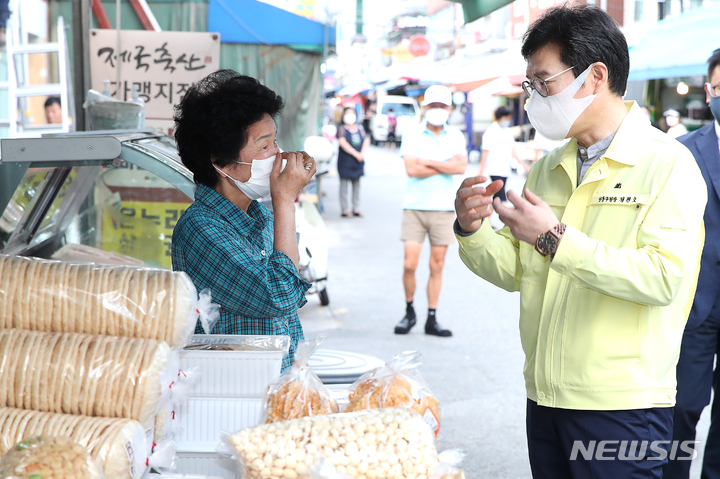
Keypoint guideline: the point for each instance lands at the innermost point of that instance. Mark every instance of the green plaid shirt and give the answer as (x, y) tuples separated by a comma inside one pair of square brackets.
[(231, 252)]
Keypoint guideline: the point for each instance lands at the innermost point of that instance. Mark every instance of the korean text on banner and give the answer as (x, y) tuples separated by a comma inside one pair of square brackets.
[(162, 65)]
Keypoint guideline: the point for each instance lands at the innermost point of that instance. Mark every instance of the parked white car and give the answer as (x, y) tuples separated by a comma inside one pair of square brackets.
[(406, 111)]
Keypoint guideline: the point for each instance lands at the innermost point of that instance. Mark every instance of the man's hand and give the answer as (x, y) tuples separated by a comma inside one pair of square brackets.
[(472, 202), (528, 217)]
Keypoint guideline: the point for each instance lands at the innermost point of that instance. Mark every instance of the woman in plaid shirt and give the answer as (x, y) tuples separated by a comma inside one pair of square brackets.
[(226, 241)]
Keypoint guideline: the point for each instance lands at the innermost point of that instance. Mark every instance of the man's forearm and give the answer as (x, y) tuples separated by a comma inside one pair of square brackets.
[(422, 171), (450, 167)]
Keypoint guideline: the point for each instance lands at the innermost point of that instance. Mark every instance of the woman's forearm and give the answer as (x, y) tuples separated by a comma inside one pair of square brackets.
[(347, 147), (285, 233)]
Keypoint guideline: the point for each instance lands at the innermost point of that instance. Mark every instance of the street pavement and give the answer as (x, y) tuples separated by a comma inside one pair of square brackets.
[(477, 373)]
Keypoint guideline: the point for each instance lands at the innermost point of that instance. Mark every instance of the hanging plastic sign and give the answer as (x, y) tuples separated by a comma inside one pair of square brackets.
[(161, 64)]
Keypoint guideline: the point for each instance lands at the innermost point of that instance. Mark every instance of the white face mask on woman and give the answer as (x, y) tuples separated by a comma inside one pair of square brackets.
[(553, 116), (258, 186), (437, 116), (349, 118)]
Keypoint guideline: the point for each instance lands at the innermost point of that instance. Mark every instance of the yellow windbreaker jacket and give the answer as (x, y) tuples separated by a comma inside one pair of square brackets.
[(601, 324)]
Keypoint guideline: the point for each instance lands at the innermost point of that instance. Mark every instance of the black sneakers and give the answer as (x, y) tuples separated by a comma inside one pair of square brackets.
[(432, 327), (435, 329), (404, 326)]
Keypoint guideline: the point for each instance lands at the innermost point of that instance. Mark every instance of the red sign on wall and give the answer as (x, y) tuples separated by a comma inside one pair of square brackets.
[(419, 46)]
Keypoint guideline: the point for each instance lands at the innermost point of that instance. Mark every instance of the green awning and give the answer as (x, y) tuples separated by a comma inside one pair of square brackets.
[(677, 47), (474, 9)]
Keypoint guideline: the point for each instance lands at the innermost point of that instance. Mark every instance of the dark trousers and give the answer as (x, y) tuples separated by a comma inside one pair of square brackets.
[(568, 443), (500, 194), (696, 379)]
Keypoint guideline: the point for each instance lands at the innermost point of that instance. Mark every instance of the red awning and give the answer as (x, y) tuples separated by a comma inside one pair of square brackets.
[(471, 85)]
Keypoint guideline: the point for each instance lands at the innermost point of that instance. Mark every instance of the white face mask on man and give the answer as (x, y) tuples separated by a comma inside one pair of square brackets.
[(437, 116), (672, 120), (553, 116), (258, 186)]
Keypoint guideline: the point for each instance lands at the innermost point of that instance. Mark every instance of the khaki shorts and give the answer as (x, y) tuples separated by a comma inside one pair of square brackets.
[(438, 225)]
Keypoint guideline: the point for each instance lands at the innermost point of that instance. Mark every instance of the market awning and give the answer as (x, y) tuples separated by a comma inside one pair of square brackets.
[(354, 89), (470, 72), (250, 21), (471, 85), (677, 47), (474, 9)]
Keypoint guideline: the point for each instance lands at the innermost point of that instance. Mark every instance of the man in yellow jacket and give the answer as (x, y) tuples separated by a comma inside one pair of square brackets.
[(604, 246)]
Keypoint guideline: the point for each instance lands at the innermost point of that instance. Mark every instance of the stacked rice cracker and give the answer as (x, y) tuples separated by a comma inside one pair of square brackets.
[(89, 352)]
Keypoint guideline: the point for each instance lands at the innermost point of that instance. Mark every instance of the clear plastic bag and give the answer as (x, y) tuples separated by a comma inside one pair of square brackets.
[(86, 374), (120, 445), (449, 465), (48, 457), (379, 443), (298, 392), (398, 383), (139, 302)]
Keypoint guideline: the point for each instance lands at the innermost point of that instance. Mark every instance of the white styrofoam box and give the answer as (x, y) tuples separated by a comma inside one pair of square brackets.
[(205, 461), (244, 374), (203, 419)]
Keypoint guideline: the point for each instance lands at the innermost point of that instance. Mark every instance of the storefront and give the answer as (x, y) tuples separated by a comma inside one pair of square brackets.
[(668, 67)]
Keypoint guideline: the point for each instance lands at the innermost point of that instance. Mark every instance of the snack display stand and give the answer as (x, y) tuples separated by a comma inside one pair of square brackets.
[(112, 198)]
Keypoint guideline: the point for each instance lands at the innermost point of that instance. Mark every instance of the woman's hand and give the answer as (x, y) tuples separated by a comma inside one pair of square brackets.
[(287, 184)]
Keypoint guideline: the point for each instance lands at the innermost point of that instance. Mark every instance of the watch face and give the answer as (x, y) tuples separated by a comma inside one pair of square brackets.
[(547, 243)]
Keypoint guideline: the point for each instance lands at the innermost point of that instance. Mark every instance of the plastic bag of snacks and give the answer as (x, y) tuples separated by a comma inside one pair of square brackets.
[(385, 443), (398, 383), (48, 457), (86, 374), (137, 302), (298, 392), (120, 445)]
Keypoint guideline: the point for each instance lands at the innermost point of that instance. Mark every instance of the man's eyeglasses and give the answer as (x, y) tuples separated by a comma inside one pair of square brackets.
[(713, 90), (540, 85)]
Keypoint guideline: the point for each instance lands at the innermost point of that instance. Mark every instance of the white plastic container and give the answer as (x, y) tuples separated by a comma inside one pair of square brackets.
[(232, 374), (202, 420), (204, 460)]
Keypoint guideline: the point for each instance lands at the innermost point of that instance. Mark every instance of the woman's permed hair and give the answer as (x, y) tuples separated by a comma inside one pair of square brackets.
[(212, 120)]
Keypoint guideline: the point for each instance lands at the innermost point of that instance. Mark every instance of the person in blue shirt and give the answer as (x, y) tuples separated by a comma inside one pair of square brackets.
[(433, 153), (226, 240)]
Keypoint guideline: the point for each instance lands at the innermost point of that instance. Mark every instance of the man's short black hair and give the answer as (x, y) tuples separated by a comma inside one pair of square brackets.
[(212, 120), (585, 34), (52, 100), (502, 111), (713, 62)]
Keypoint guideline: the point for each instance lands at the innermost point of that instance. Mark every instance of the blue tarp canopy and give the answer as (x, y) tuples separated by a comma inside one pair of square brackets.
[(250, 21), (677, 47)]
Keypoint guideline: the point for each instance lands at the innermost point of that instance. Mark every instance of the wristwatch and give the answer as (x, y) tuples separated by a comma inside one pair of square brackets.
[(547, 243)]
